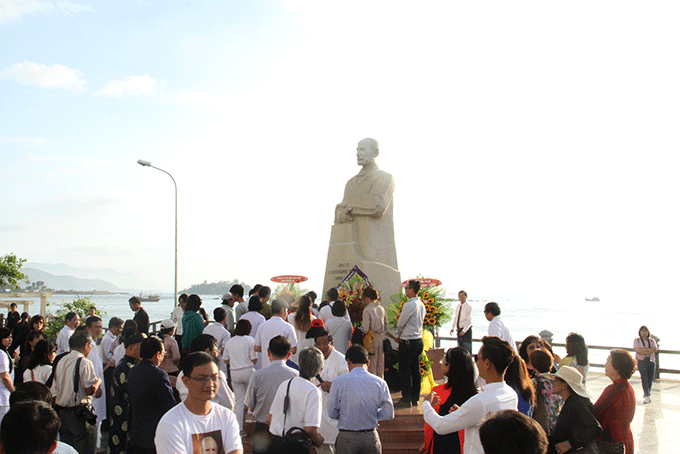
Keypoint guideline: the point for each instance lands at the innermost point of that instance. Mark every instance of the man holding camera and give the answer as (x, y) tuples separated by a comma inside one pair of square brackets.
[(77, 429)]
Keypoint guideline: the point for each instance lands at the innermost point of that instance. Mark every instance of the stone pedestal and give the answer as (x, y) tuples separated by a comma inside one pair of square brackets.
[(344, 252)]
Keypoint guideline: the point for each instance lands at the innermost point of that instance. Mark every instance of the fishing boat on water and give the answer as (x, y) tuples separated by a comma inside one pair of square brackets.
[(149, 297), (594, 298)]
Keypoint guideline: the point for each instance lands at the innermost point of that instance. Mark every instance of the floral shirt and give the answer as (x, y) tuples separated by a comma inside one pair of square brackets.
[(553, 402), (120, 407)]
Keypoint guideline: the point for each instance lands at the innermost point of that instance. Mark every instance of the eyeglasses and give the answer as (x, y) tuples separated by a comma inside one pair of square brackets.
[(203, 379)]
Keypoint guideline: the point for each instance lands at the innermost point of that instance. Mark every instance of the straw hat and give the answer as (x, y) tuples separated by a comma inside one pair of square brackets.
[(573, 378)]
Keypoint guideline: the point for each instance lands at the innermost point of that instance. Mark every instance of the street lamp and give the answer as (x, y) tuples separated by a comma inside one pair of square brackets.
[(141, 162)]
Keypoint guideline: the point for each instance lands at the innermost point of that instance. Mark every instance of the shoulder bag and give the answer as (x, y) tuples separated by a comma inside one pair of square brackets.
[(296, 439)]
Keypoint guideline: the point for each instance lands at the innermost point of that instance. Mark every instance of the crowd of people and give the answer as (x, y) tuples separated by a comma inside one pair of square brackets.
[(302, 374)]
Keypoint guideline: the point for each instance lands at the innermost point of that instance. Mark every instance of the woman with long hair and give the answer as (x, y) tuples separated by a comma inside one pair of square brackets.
[(530, 345), (240, 355), (459, 370), (576, 428), (6, 371), (616, 406), (645, 353), (37, 322), (27, 349), (577, 354), (517, 377), (40, 367), (301, 320)]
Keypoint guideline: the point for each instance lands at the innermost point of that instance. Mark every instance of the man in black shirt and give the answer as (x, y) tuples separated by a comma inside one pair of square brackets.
[(141, 317)]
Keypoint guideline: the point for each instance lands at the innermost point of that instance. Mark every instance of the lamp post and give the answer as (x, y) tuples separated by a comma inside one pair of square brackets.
[(141, 162)]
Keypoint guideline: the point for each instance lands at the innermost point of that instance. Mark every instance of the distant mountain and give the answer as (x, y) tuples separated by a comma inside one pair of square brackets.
[(102, 279), (68, 282)]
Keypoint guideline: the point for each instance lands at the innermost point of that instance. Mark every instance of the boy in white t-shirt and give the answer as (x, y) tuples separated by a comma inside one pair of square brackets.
[(198, 423)]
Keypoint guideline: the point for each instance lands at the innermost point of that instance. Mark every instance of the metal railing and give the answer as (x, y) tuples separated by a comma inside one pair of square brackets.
[(439, 339)]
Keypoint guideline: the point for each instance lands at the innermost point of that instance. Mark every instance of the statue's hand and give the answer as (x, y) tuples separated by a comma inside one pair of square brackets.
[(345, 216)]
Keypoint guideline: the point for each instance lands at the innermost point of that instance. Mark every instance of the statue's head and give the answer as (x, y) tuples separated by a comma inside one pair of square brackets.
[(367, 151)]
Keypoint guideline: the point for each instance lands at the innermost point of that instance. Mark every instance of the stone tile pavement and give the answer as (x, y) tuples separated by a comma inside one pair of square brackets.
[(656, 426)]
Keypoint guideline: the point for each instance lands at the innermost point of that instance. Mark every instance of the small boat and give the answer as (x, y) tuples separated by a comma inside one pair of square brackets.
[(594, 298), (150, 297)]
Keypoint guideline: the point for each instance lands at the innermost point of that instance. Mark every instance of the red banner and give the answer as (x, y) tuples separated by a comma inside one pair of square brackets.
[(424, 282), (288, 279)]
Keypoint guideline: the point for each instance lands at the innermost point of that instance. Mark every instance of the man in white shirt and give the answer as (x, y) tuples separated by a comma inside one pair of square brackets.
[(497, 327), (334, 365), (410, 339), (462, 322), (93, 325), (493, 359), (109, 341), (71, 322), (74, 431), (198, 422), (228, 305), (275, 326), (219, 332), (242, 306), (237, 293)]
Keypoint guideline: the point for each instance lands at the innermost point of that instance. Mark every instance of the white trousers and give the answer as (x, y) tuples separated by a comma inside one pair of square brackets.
[(239, 381)]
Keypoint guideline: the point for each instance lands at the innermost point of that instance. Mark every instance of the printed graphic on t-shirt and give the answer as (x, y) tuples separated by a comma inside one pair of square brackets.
[(208, 443)]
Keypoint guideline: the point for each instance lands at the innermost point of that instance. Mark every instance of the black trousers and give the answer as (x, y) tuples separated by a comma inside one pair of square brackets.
[(409, 369)]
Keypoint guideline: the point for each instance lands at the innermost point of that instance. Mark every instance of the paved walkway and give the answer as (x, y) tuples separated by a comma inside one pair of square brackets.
[(655, 425)]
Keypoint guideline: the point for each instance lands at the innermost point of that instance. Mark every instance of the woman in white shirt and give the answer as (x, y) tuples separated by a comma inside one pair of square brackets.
[(253, 315), (339, 327), (6, 371), (40, 367), (240, 355)]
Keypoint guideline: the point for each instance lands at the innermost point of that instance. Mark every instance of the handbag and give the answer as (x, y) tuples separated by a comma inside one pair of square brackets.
[(368, 341), (84, 410), (296, 440), (611, 447)]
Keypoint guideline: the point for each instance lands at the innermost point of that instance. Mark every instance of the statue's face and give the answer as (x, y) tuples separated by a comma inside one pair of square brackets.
[(365, 154)]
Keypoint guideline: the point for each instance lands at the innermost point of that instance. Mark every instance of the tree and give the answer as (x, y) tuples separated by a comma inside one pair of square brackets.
[(81, 306), (10, 271)]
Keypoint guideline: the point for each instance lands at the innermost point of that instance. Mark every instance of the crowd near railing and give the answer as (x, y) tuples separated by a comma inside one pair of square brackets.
[(659, 360)]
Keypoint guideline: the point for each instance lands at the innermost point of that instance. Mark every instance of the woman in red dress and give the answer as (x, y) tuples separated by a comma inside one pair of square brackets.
[(459, 370), (616, 406)]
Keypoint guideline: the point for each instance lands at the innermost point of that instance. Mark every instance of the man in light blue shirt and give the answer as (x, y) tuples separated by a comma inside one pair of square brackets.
[(410, 339), (358, 400)]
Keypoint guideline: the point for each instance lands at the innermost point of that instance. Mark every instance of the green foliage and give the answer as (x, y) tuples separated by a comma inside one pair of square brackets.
[(10, 271), (293, 289), (81, 306)]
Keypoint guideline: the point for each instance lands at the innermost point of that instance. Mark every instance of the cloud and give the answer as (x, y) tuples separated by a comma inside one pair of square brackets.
[(69, 9), (40, 75), (12, 10), (133, 85)]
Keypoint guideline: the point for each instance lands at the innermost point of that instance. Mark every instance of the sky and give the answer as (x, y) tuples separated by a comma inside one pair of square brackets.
[(534, 144)]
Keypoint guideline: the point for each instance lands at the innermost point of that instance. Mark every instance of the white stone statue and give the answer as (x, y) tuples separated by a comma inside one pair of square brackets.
[(363, 233)]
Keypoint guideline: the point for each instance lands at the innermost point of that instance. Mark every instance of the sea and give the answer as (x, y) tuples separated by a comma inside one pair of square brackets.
[(603, 323)]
